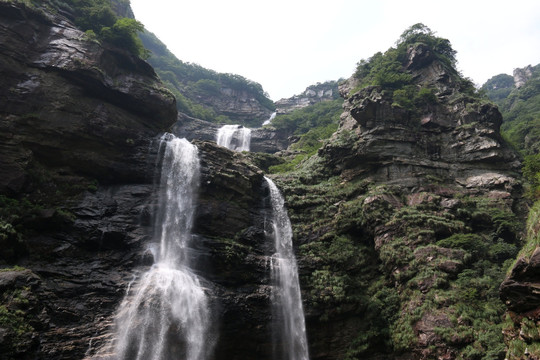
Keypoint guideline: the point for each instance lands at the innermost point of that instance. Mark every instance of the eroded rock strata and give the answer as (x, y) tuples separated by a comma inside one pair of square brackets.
[(403, 222), (76, 124)]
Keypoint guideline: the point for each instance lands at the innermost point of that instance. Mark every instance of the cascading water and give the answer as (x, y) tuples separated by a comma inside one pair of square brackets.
[(166, 315), (269, 120), (234, 137), (289, 324)]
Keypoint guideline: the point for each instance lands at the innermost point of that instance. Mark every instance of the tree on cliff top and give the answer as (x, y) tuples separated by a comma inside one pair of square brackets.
[(421, 34), (388, 69), (97, 18)]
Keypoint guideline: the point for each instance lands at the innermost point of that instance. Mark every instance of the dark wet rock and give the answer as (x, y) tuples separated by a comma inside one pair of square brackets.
[(72, 102), (521, 290)]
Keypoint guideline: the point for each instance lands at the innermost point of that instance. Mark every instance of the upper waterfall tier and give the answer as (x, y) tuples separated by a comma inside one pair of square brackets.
[(234, 137)]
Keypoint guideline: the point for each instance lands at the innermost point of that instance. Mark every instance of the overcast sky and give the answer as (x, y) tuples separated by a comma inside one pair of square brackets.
[(287, 45)]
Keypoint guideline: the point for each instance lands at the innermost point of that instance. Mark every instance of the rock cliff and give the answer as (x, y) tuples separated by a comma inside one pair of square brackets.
[(313, 94), (206, 94), (403, 221), (522, 75), (60, 92), (76, 124), (79, 132), (405, 217), (238, 105)]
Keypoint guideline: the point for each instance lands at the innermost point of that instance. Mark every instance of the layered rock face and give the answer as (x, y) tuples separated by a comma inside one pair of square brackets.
[(237, 105), (403, 222), (457, 137), (313, 94), (60, 92), (230, 226), (77, 124), (79, 131)]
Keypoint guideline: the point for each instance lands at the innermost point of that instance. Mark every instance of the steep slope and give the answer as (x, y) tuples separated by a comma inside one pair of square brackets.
[(206, 94), (79, 125), (518, 98), (313, 94), (406, 218), (77, 120)]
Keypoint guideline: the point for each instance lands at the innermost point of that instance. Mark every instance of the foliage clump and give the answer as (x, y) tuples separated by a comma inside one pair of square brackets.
[(99, 20), (394, 71), (388, 70), (520, 108), (311, 126)]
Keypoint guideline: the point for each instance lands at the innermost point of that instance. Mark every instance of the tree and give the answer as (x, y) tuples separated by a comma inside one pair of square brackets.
[(124, 34), (420, 33)]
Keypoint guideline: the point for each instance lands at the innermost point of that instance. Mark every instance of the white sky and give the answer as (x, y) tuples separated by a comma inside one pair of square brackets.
[(287, 45)]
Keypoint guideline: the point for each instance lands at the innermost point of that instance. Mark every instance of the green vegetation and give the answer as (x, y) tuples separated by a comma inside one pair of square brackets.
[(312, 125), (520, 108), (388, 70), (98, 18), (499, 87), (15, 321), (522, 334), (392, 72), (372, 253), (191, 82), (431, 263)]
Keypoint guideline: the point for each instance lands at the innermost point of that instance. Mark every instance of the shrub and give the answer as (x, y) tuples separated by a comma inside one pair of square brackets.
[(124, 34)]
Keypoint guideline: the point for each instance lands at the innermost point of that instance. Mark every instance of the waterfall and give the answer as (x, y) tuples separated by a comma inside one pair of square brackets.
[(289, 324), (234, 137), (269, 120), (166, 314)]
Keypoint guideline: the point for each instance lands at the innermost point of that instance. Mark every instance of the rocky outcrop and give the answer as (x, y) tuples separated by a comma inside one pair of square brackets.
[(237, 105), (456, 137), (230, 226), (77, 123), (192, 128), (398, 218), (270, 141), (522, 75), (71, 102), (313, 94), (520, 292)]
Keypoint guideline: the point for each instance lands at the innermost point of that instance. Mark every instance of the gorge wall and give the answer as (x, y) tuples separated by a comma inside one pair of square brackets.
[(403, 222), (79, 127), (313, 94), (76, 124)]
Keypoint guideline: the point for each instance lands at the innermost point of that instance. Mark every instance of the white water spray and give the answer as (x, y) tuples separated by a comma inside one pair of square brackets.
[(269, 120), (166, 314), (290, 328), (234, 137)]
